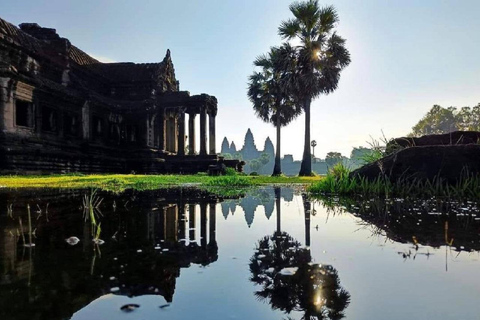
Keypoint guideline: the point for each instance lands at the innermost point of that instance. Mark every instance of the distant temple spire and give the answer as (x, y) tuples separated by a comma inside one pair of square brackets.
[(225, 146), (233, 148), (268, 147)]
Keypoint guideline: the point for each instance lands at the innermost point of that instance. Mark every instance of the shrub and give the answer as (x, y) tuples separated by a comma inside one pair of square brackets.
[(230, 172), (339, 171), (229, 181), (372, 156)]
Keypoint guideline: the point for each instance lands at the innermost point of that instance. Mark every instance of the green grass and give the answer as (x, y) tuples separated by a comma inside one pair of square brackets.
[(119, 182), (339, 182), (229, 181)]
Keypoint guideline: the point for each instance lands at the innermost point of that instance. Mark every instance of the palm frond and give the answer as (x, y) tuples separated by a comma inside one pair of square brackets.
[(262, 61), (306, 12), (336, 51), (328, 19), (270, 91), (288, 29)]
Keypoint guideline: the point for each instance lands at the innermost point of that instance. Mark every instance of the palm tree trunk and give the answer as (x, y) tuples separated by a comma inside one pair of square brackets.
[(306, 166), (306, 208), (277, 191), (277, 169)]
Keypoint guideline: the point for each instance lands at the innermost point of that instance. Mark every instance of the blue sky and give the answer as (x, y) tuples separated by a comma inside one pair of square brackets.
[(406, 56)]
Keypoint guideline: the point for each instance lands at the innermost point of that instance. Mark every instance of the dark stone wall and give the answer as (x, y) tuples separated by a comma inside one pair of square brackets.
[(449, 163), (452, 138), (67, 95)]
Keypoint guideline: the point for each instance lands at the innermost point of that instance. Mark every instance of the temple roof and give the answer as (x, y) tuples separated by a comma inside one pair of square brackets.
[(128, 71), (41, 41), (36, 42), (80, 57), (18, 37), (71, 71)]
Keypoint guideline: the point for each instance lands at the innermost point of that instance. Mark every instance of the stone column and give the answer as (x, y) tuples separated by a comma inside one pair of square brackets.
[(191, 222), (85, 121), (181, 221), (212, 223), (191, 133), (150, 130), (7, 108), (37, 118), (203, 224), (211, 133), (173, 135), (203, 132), (181, 133), (161, 120), (4, 99), (61, 123), (161, 223), (156, 131)]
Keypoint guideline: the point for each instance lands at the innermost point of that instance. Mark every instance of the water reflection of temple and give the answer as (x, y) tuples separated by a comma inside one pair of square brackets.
[(149, 239), (264, 197)]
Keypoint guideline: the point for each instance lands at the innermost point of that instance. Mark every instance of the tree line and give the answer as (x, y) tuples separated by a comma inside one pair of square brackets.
[(443, 120)]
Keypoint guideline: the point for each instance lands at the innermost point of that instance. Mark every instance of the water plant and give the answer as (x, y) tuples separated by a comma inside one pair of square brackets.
[(30, 242), (91, 204), (10, 210), (21, 232), (20, 224), (96, 238), (91, 211)]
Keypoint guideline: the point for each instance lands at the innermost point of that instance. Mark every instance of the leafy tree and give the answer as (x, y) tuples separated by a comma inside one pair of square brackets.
[(264, 158), (443, 120), (272, 101), (254, 164), (358, 153), (333, 158), (319, 59), (464, 119), (227, 156), (361, 155), (437, 121), (238, 156), (468, 119), (476, 117)]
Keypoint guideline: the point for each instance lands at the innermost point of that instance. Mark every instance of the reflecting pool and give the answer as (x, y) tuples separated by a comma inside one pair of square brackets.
[(270, 254)]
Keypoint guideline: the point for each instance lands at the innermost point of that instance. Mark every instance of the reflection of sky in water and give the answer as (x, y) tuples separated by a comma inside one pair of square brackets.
[(382, 282)]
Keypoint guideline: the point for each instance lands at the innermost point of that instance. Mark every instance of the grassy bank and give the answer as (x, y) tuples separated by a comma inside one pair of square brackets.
[(145, 182), (338, 182)]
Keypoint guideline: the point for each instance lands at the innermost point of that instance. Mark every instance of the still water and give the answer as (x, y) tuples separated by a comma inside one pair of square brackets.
[(271, 254)]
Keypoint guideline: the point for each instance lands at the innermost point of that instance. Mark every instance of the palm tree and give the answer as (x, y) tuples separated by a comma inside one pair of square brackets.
[(268, 92), (310, 288), (321, 56)]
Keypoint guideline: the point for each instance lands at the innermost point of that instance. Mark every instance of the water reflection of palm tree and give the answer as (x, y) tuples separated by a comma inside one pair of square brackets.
[(278, 194), (307, 210), (290, 282)]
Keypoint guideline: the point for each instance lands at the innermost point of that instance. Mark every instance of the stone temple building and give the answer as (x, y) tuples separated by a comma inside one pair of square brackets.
[(249, 150), (61, 110)]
